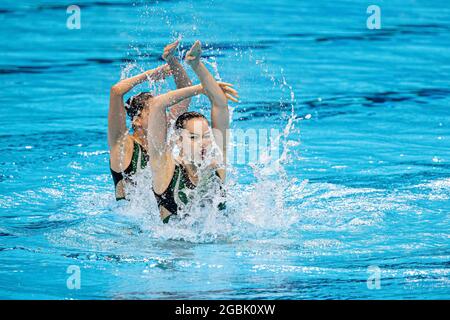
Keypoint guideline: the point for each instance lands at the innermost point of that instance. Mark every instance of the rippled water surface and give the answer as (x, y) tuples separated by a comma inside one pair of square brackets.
[(365, 181)]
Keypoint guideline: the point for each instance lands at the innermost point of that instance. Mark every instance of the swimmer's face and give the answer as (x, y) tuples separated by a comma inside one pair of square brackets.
[(141, 121), (195, 140)]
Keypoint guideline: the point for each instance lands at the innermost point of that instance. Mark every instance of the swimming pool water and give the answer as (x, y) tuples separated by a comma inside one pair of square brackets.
[(365, 185)]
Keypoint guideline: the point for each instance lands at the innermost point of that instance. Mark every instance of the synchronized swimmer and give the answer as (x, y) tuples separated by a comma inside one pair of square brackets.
[(173, 176)]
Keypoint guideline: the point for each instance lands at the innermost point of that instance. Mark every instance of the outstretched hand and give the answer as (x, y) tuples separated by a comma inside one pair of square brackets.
[(229, 92), (193, 55), (169, 50)]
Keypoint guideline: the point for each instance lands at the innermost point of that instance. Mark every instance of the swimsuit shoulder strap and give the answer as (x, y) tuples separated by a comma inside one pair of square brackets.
[(134, 158), (186, 181), (144, 156), (139, 156)]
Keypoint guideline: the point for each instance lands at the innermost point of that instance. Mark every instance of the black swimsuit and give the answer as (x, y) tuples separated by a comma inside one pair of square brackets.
[(132, 167), (178, 186), (177, 189)]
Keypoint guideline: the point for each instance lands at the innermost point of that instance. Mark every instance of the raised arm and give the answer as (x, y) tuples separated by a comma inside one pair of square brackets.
[(180, 76), (117, 116), (157, 121), (217, 94)]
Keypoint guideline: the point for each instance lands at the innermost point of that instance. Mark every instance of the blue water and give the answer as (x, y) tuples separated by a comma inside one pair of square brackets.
[(366, 179)]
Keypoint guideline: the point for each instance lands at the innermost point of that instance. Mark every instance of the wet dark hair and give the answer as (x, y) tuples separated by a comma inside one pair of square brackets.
[(136, 103), (185, 117)]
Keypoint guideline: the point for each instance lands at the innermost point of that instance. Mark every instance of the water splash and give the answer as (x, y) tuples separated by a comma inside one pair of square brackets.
[(251, 208)]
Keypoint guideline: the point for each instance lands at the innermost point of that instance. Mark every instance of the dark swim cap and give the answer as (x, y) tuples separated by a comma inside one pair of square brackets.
[(184, 117), (136, 103)]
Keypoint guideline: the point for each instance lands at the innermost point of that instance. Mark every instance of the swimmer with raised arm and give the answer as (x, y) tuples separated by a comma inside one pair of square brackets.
[(174, 177), (128, 152)]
